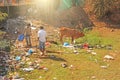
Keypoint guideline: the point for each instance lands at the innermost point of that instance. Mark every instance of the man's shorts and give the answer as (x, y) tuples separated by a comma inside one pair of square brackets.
[(42, 45)]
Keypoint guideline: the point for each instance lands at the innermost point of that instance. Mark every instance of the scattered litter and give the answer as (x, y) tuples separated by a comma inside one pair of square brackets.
[(71, 66), (27, 59), (78, 46), (97, 46), (75, 51), (16, 30), (69, 46), (19, 79), (104, 67), (46, 69), (21, 37), (54, 78), (48, 44), (16, 76), (36, 66), (4, 59), (33, 28), (22, 63), (40, 77), (28, 69), (63, 65), (30, 63), (102, 46), (90, 48), (34, 53), (93, 77), (109, 47), (66, 44), (93, 53), (52, 56), (30, 51), (108, 57), (89, 51), (85, 46), (18, 58)]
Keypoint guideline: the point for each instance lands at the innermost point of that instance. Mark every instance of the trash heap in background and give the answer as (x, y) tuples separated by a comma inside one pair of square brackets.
[(4, 66)]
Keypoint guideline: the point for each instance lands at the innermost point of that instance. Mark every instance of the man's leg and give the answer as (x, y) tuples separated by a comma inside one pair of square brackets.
[(29, 41), (42, 48), (42, 54)]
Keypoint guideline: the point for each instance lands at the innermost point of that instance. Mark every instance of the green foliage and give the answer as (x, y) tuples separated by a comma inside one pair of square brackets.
[(101, 7), (94, 38), (107, 41), (5, 45), (3, 16), (91, 38)]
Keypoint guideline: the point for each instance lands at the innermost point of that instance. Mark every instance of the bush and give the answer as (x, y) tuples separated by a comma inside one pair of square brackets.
[(94, 38), (91, 38), (5, 45), (3, 16), (101, 7)]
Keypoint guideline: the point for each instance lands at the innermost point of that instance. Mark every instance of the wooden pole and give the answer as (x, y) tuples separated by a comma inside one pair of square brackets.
[(8, 8)]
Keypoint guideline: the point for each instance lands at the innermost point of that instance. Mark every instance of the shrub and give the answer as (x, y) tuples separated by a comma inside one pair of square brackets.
[(4, 45), (101, 7), (94, 38), (3, 16)]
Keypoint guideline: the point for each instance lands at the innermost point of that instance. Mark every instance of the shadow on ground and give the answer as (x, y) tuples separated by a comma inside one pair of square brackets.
[(53, 57)]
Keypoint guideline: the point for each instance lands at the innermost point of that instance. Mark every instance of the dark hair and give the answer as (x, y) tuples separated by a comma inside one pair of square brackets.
[(28, 24), (41, 27)]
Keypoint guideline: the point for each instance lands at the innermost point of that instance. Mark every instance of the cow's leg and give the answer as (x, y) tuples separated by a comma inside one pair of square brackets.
[(61, 39), (72, 40)]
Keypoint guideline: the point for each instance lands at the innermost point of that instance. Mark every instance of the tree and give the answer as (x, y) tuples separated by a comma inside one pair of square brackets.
[(101, 7)]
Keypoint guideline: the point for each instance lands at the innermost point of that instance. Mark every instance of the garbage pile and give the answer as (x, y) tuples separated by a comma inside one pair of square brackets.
[(4, 66), (23, 62), (88, 46), (13, 24)]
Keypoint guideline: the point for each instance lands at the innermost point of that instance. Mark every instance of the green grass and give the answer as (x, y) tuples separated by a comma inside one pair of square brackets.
[(85, 65), (95, 38)]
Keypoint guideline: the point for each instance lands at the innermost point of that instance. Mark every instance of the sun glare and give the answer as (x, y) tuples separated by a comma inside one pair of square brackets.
[(43, 3)]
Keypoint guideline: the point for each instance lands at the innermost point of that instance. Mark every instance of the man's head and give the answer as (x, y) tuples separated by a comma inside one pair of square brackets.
[(28, 24), (41, 27)]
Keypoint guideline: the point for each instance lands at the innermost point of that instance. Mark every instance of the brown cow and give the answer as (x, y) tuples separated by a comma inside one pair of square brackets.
[(68, 32)]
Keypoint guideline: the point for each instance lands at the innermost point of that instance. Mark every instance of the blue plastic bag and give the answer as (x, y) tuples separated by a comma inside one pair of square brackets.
[(21, 37), (17, 58), (66, 44), (30, 51)]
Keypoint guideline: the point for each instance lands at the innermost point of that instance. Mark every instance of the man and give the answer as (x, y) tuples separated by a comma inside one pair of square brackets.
[(27, 33), (42, 40)]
